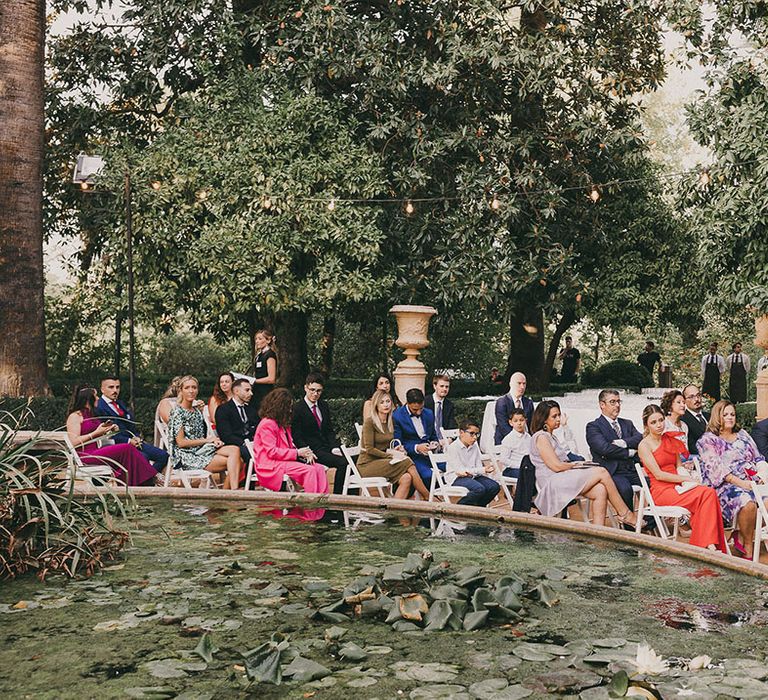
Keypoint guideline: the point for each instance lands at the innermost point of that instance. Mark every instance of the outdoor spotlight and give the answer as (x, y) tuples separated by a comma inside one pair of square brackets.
[(86, 170)]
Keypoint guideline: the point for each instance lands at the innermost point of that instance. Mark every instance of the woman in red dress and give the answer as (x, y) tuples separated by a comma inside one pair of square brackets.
[(660, 454)]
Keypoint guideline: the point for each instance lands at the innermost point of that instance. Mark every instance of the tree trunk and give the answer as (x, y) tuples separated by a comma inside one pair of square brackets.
[(326, 347), (291, 332), (565, 322), (23, 365), (526, 345)]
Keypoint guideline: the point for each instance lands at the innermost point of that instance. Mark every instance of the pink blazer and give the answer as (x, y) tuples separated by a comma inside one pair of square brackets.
[(272, 448)]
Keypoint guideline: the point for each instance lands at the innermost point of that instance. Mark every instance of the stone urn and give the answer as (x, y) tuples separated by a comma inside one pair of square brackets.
[(412, 329), (761, 340)]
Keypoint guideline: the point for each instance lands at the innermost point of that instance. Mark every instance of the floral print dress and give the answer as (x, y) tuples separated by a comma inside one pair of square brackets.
[(718, 459), (194, 427)]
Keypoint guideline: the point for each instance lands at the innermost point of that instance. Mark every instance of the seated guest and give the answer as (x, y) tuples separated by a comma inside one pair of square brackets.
[(760, 436), (167, 403), (110, 406), (660, 452), (222, 392), (381, 382), (312, 427), (513, 399), (191, 448), (613, 442), (236, 420), (127, 463), (673, 405), (464, 467), (440, 405), (275, 452), (729, 462), (559, 481), (516, 444), (376, 456), (567, 439), (415, 429), (694, 417)]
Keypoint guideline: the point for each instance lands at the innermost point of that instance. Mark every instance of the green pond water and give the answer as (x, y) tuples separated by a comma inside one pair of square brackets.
[(239, 575)]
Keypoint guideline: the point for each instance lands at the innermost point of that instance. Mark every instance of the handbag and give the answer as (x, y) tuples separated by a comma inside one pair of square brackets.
[(397, 456)]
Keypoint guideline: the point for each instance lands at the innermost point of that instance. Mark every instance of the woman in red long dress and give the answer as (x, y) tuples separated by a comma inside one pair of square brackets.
[(660, 454)]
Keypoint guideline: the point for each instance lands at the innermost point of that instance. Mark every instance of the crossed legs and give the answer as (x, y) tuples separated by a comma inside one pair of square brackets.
[(601, 490)]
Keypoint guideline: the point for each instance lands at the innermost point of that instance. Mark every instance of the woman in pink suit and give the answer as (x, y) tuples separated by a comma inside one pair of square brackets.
[(276, 455), (127, 463)]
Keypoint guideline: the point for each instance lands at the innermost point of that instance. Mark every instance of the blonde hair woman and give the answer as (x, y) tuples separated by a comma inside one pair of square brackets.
[(264, 366), (375, 455)]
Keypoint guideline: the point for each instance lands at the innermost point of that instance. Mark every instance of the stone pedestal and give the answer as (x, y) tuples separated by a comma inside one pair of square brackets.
[(412, 329), (761, 340)]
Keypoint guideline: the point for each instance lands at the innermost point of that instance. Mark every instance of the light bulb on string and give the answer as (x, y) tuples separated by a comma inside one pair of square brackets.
[(704, 178), (156, 185), (495, 203), (594, 195), (84, 185), (266, 202), (409, 208), (332, 205)]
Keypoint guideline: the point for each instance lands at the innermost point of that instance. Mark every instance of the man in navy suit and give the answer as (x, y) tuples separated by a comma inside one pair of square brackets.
[(110, 406), (760, 436), (415, 428), (236, 420), (505, 404), (613, 442), (439, 403), (694, 417)]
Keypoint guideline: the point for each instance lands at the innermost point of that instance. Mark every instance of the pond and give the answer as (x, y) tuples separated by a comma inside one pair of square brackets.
[(223, 579)]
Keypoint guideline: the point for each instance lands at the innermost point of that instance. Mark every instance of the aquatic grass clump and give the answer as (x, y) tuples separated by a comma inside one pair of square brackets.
[(43, 527)]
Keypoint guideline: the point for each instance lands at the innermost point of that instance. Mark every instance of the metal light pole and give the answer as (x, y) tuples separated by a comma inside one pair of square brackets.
[(86, 170)]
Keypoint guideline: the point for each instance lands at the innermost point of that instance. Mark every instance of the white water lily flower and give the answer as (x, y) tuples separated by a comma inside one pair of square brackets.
[(699, 662), (648, 661)]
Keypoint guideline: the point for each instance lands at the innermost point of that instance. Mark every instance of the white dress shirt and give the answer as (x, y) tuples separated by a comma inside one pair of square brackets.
[(744, 359), (418, 425), (718, 359), (461, 458), (311, 406), (514, 447), (762, 363)]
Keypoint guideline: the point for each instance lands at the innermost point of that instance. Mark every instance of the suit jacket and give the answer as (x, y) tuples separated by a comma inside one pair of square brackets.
[(406, 432), (760, 436), (230, 426), (600, 437), (126, 423), (449, 412), (504, 406), (695, 429), (306, 432)]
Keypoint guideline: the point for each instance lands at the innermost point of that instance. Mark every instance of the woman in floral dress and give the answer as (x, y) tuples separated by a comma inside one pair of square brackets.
[(190, 448), (728, 458)]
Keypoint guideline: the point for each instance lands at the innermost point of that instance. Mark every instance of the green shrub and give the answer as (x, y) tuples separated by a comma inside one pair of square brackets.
[(746, 414), (617, 373)]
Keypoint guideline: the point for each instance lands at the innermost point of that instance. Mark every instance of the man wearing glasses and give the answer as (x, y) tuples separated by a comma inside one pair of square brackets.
[(694, 417), (464, 467), (312, 427), (613, 442)]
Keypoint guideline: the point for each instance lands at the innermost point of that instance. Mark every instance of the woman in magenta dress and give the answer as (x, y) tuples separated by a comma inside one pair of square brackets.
[(660, 452), (275, 455), (127, 463)]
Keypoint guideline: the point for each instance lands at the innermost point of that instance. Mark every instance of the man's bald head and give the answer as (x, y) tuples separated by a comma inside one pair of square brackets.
[(517, 384)]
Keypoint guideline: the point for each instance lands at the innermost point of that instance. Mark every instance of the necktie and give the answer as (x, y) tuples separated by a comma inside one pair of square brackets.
[(617, 428), (518, 403), (439, 415), (316, 414), (120, 412), (701, 419), (243, 417)]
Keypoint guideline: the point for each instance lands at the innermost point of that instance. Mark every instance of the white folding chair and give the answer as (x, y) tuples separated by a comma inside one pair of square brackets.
[(208, 422), (359, 429), (183, 477), (761, 526), (504, 481), (451, 433), (658, 513), (354, 480), (78, 471), (251, 476), (438, 488)]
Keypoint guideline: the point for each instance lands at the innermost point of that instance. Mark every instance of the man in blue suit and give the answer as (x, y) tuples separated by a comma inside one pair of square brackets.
[(613, 442), (415, 428), (760, 436), (505, 404), (110, 406)]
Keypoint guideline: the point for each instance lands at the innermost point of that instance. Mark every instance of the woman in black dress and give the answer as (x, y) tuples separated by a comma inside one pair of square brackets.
[(265, 366)]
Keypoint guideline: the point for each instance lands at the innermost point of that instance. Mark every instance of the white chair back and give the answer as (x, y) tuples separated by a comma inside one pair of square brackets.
[(438, 488), (647, 506), (761, 526), (489, 427), (451, 433), (354, 480), (251, 477), (359, 429)]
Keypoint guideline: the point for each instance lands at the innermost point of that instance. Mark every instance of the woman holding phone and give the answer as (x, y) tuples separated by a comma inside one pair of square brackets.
[(83, 429)]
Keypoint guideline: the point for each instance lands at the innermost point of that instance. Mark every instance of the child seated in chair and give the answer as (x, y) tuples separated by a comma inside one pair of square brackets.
[(515, 445), (464, 467)]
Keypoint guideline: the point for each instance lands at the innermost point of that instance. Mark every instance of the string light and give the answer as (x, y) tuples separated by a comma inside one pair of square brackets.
[(704, 178), (594, 195), (332, 205), (495, 203), (84, 185), (156, 185), (409, 208), (266, 202)]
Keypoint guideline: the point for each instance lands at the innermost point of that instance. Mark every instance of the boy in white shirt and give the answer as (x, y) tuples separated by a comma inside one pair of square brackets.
[(516, 445), (464, 467)]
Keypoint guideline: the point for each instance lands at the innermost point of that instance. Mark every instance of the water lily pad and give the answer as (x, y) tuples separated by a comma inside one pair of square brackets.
[(440, 692), (364, 682), (335, 632), (256, 613), (568, 680), (438, 615), (166, 668), (273, 590), (205, 648), (316, 586), (332, 616), (507, 597), (743, 687), (609, 643), (150, 693), (352, 652), (475, 620), (487, 689), (528, 653), (263, 663), (447, 590), (404, 626), (297, 609), (546, 594), (301, 669), (378, 650), (469, 577), (555, 574), (412, 606), (393, 572), (432, 672)]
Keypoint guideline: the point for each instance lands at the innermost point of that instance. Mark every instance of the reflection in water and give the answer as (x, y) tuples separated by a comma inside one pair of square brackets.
[(305, 514)]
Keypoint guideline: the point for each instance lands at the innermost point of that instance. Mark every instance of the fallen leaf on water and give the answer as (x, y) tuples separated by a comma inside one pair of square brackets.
[(21, 605), (239, 668)]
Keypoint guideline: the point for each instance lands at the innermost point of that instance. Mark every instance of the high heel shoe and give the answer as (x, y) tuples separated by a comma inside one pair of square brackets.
[(629, 527), (737, 546)]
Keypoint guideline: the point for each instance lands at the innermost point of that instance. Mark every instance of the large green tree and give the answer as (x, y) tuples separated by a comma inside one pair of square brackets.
[(465, 105)]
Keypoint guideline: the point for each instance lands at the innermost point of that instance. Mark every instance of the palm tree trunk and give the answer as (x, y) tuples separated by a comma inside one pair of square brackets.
[(23, 366)]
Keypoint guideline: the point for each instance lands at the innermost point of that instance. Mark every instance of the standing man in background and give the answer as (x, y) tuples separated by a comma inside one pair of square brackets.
[(738, 366), (649, 358), (571, 359), (712, 368)]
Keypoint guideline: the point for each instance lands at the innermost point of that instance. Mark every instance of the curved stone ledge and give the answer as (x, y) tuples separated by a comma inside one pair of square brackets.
[(472, 513)]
